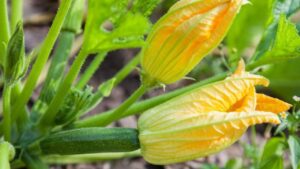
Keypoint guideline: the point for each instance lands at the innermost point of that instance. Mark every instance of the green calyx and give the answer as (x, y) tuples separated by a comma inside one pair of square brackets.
[(149, 81)]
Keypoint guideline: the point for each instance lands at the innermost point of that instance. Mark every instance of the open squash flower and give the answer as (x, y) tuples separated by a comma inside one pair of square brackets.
[(206, 120), (188, 32)]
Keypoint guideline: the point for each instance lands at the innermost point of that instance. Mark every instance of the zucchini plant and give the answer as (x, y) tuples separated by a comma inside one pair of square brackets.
[(195, 121)]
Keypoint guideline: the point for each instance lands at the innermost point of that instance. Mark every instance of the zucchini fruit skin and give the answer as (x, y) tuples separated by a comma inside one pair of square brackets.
[(91, 140)]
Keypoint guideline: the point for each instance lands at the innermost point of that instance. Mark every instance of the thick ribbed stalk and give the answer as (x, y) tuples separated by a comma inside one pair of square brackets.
[(59, 61), (42, 58), (47, 119)]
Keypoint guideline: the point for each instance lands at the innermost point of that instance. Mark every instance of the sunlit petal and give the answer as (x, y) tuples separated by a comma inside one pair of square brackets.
[(188, 137), (267, 103)]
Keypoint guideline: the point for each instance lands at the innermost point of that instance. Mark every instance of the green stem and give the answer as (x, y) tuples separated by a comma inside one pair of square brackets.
[(119, 77), (42, 57), (48, 118), (1, 129), (84, 79), (89, 158), (60, 57), (4, 27), (22, 120), (119, 112), (7, 112), (57, 66), (253, 136), (4, 155), (129, 67), (142, 106), (16, 13), (15, 91), (82, 158), (54, 75)]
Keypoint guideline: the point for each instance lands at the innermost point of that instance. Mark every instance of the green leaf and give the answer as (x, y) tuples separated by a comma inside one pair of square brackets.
[(112, 25), (272, 157), (127, 34), (294, 145), (287, 7), (284, 78), (284, 46)]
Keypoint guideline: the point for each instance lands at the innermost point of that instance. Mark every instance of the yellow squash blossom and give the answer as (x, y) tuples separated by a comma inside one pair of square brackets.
[(206, 120), (188, 32)]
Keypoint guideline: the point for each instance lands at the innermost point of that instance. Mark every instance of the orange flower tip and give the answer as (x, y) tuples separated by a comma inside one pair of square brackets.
[(241, 68), (270, 104)]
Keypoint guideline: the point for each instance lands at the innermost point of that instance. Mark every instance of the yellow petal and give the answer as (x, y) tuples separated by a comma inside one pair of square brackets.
[(187, 136), (190, 30), (246, 104), (220, 96), (267, 103), (241, 69)]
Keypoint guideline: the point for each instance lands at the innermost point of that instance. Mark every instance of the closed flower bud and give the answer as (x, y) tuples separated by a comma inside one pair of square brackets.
[(206, 120), (15, 62), (188, 32)]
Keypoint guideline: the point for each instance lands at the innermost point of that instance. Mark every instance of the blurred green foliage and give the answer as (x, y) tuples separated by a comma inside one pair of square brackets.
[(247, 28)]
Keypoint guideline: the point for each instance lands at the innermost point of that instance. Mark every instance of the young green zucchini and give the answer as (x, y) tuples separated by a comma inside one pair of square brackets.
[(91, 140)]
